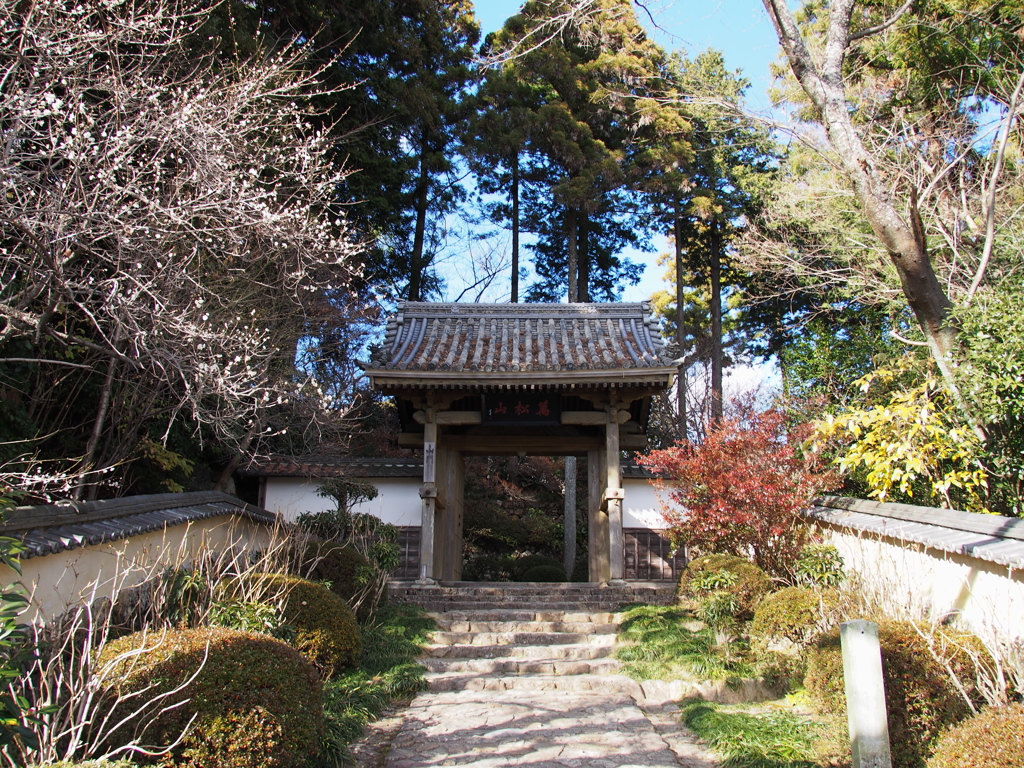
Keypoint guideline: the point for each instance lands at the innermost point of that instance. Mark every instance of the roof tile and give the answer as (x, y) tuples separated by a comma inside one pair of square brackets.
[(424, 336), (50, 529)]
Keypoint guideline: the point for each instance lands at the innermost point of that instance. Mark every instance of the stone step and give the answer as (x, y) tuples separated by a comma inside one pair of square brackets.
[(523, 666), (569, 651), (545, 596), (520, 638), (419, 593), (471, 681), (597, 617), (518, 605), (574, 627)]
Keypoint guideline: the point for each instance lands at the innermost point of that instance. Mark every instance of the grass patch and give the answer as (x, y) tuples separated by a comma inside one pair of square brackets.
[(387, 673), (655, 645), (747, 740)]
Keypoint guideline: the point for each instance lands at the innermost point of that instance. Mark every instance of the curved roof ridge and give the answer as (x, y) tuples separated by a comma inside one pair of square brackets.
[(446, 338)]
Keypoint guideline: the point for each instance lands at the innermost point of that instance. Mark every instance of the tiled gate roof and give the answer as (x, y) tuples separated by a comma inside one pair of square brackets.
[(502, 338)]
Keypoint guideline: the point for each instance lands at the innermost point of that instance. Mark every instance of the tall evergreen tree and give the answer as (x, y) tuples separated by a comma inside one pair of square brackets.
[(399, 69), (732, 162), (590, 77)]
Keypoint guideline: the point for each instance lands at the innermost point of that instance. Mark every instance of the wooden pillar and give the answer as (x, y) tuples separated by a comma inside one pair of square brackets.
[(450, 518), (597, 528), (442, 514), (428, 493), (613, 496)]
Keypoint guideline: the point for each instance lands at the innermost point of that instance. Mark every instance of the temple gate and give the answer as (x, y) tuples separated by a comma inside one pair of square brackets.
[(526, 379)]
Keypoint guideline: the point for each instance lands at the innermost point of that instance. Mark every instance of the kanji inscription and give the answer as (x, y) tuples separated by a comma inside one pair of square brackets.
[(524, 408)]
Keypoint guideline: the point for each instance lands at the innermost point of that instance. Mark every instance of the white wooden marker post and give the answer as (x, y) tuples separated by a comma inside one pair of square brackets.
[(865, 694)]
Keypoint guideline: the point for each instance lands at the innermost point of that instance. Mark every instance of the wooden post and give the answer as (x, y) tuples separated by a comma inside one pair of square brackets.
[(613, 496), (865, 694), (597, 529), (442, 516), (428, 493), (569, 517), (450, 517)]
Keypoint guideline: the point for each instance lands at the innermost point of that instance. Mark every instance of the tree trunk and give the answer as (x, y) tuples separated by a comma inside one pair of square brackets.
[(224, 479), (416, 265), (583, 260), (569, 513), (680, 327), (716, 323), (570, 215), (902, 237), (86, 465), (515, 229), (570, 516)]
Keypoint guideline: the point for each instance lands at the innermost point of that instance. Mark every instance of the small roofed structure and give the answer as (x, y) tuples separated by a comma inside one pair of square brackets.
[(529, 379)]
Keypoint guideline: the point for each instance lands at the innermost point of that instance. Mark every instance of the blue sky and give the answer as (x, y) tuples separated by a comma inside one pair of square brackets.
[(740, 29)]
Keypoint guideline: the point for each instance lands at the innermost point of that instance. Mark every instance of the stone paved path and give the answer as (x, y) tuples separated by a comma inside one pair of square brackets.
[(540, 729), (523, 677)]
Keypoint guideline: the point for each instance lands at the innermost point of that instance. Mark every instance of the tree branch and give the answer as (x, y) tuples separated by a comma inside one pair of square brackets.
[(990, 202), (884, 25)]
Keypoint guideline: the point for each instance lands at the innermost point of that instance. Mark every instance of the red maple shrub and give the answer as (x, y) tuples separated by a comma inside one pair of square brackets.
[(739, 491)]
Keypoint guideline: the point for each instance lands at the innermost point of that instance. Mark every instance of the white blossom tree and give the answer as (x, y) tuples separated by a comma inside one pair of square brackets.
[(167, 234)]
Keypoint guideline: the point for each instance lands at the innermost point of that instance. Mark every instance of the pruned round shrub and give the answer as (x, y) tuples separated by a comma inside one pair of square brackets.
[(336, 565), (793, 614), (527, 563), (921, 697), (992, 739), (326, 631), (257, 702), (784, 623), (748, 585), (544, 573)]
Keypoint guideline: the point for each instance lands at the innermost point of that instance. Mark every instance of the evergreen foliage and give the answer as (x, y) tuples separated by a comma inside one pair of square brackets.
[(257, 702), (918, 669), (994, 738)]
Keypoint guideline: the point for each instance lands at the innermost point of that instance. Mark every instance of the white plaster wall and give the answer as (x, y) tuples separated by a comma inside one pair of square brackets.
[(913, 580), (397, 502), (58, 581), (642, 507)]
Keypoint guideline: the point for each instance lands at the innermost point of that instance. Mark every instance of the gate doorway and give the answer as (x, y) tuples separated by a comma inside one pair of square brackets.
[(521, 379)]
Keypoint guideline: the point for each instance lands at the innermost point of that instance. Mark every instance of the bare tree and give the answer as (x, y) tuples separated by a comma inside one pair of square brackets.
[(165, 221), (904, 164)]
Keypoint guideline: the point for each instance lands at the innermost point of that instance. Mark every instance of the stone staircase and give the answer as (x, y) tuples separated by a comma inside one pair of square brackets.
[(527, 636)]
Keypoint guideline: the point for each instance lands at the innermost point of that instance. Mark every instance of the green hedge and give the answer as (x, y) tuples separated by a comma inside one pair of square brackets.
[(920, 695), (993, 738), (257, 702)]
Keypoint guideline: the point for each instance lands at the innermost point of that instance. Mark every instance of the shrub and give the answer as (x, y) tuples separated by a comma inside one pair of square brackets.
[(370, 536), (920, 695), (526, 563), (741, 489), (992, 739), (704, 575), (544, 573), (796, 614), (819, 565), (257, 702), (784, 623), (338, 566), (325, 629)]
